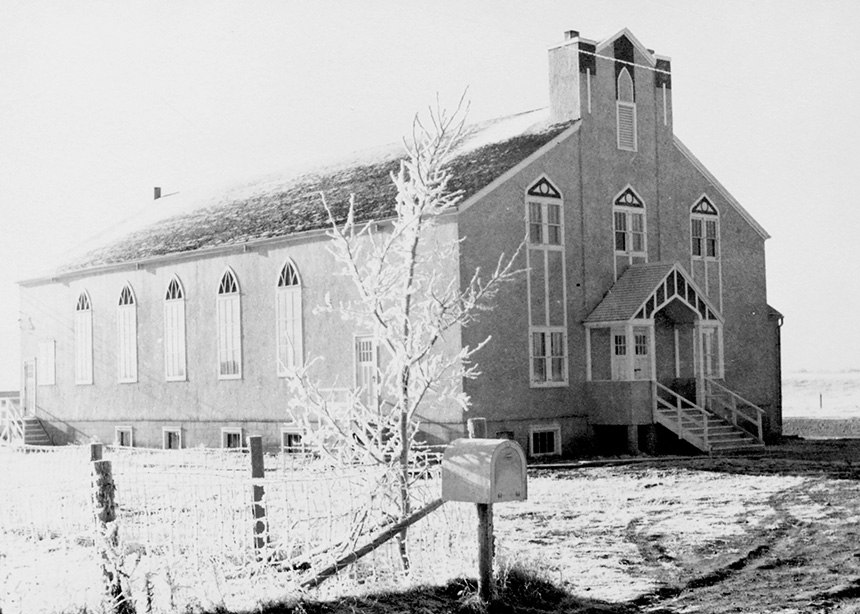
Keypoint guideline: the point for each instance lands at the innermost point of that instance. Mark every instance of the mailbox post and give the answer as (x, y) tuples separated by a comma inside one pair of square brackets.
[(484, 471)]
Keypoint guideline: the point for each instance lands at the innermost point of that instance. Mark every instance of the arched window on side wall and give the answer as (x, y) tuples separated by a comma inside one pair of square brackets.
[(83, 339), (288, 319), (126, 335), (174, 331), (229, 328)]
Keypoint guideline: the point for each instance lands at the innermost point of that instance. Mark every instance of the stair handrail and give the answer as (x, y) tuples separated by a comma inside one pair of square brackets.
[(677, 406), (732, 406), (11, 423)]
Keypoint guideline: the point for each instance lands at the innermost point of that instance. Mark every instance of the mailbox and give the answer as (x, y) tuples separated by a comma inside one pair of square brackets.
[(484, 471)]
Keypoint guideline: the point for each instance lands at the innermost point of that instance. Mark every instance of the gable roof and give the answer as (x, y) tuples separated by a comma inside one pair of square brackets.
[(282, 206), (644, 289), (720, 188), (649, 55)]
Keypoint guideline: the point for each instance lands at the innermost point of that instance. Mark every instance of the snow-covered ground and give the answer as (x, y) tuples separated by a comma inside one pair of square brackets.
[(831, 395)]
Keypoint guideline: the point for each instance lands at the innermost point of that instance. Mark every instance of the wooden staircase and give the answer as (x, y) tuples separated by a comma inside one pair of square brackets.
[(17, 429), (728, 425), (35, 433)]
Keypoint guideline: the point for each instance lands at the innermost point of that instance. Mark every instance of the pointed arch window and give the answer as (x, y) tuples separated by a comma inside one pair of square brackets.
[(548, 349), (288, 319), (174, 332), (229, 328), (704, 230), (126, 334), (625, 107), (83, 339), (628, 213)]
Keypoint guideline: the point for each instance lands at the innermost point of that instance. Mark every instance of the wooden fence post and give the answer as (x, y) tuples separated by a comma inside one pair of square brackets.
[(257, 473), (478, 430), (107, 533)]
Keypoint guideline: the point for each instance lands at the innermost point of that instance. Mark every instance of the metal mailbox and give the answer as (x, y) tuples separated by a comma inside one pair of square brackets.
[(484, 471)]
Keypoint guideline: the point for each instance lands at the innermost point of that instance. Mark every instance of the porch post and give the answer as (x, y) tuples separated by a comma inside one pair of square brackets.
[(628, 362)]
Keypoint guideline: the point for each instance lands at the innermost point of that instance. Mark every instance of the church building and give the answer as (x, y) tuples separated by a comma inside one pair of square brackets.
[(641, 320)]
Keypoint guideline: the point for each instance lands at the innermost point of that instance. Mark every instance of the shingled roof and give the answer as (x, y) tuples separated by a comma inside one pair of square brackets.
[(640, 291), (286, 205)]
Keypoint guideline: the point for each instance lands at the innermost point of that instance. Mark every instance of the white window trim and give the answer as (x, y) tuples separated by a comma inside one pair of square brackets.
[(548, 330), (226, 301), (232, 430), (287, 293), (705, 218), (123, 429), (375, 350), (293, 430), (545, 428), (84, 343), (177, 335), (127, 339), (171, 429), (542, 250)]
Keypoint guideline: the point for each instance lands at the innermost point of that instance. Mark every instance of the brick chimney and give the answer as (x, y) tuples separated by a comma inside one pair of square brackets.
[(566, 69)]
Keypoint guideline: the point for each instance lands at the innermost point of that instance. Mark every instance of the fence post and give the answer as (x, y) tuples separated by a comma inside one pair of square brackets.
[(107, 533), (478, 430), (257, 473)]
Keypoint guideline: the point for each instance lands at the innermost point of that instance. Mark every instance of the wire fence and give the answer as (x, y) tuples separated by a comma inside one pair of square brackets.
[(186, 526)]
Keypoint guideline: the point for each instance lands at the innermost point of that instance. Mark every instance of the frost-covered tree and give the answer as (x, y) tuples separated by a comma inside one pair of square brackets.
[(409, 292)]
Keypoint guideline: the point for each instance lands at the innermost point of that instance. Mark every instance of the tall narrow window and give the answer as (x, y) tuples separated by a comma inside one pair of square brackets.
[(626, 112), (83, 340), (366, 367), (705, 248), (288, 319), (229, 328), (546, 285), (174, 332), (704, 230), (629, 227), (126, 333)]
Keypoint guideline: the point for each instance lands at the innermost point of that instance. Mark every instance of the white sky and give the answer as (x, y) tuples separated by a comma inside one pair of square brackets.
[(101, 101)]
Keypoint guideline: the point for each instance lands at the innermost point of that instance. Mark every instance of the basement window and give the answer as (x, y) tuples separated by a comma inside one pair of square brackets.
[(231, 438), (171, 438), (123, 437), (291, 442), (544, 440)]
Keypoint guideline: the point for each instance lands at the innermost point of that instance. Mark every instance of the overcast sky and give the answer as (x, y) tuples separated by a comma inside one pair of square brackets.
[(102, 101)]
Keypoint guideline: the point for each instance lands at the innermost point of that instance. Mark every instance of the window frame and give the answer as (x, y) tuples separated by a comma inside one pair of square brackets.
[(704, 212), (227, 432), (126, 330), (171, 430), (302, 448), (626, 108), (538, 429), (117, 439), (228, 309), (288, 317), (84, 340), (175, 346), (373, 397), (545, 235)]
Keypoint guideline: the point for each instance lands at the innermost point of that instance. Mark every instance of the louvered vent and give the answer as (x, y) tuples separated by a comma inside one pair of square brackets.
[(626, 126)]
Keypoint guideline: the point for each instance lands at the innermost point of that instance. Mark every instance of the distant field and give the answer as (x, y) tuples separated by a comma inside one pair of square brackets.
[(821, 404)]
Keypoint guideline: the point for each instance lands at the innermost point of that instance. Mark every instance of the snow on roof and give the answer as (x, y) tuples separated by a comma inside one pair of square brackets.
[(290, 202)]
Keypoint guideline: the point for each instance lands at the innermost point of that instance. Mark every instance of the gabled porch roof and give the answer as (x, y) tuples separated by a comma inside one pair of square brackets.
[(644, 289)]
